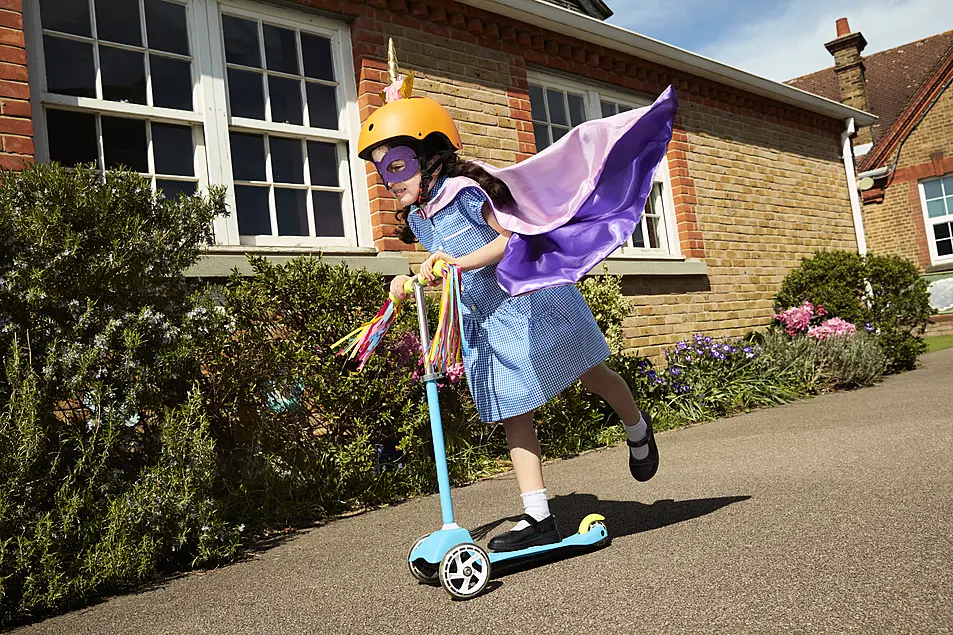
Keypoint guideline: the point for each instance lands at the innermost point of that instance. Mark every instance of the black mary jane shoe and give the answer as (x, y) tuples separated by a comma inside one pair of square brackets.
[(644, 469), (539, 532)]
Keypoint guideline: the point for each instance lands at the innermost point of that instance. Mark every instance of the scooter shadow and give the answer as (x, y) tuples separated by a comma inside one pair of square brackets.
[(623, 518)]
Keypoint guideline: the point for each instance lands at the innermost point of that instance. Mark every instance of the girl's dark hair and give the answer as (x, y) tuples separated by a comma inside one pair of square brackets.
[(455, 166)]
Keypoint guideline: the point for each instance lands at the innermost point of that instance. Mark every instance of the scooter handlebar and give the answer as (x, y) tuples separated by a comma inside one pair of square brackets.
[(439, 268)]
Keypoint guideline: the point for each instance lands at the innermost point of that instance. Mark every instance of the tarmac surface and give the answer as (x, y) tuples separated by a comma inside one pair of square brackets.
[(831, 515)]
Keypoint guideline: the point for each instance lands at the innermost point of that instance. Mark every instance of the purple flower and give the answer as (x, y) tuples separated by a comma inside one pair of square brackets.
[(676, 371)]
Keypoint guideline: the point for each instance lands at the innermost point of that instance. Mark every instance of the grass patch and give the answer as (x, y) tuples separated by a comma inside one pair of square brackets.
[(939, 343)]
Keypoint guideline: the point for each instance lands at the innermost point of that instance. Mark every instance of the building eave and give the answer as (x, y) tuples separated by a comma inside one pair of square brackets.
[(588, 29)]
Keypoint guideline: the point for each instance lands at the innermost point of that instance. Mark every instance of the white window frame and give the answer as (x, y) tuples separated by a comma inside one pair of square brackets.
[(593, 95), (212, 152), (928, 222)]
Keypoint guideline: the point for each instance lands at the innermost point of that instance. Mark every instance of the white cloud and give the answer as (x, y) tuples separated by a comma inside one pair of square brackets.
[(791, 43)]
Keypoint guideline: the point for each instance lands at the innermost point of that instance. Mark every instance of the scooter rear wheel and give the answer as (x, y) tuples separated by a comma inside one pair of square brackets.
[(465, 571), (423, 572)]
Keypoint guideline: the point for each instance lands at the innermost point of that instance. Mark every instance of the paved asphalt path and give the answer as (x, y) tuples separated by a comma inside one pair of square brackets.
[(832, 515)]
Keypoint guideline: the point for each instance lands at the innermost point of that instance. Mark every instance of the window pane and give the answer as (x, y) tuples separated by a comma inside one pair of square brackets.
[(245, 94), (932, 189), (322, 106), (171, 83), (281, 49), (558, 133), (557, 109), (323, 163), (576, 111), (936, 208), (316, 52), (248, 156), (172, 149), (166, 26), (291, 210), (251, 207), (72, 137), (124, 143), (287, 164), (118, 21), (536, 103), (124, 75), (948, 185), (607, 109), (941, 231), (328, 219), (241, 41), (285, 97), (68, 16), (944, 248), (651, 224), (172, 189), (69, 67), (623, 108), (637, 239), (541, 133)]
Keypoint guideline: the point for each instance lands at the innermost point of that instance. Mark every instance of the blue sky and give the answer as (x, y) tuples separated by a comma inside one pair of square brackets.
[(779, 39)]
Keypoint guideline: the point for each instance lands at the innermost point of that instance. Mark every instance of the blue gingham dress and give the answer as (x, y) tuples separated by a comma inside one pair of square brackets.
[(523, 350)]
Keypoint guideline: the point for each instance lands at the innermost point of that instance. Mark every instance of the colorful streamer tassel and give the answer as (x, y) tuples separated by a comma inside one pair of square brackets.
[(447, 342), (445, 346), (363, 341)]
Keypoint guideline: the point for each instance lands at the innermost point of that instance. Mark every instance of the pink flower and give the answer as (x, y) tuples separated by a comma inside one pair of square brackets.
[(834, 327), (455, 373), (796, 319)]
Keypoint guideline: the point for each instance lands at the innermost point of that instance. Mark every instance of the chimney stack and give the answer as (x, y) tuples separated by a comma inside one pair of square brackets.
[(849, 67)]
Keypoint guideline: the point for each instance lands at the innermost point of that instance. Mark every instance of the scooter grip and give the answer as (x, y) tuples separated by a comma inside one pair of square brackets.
[(438, 266)]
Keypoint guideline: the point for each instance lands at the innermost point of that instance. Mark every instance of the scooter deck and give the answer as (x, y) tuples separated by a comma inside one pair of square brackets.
[(432, 548), (591, 537)]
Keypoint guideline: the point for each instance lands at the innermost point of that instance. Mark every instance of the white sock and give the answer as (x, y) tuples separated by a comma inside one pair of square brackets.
[(536, 505), (637, 433)]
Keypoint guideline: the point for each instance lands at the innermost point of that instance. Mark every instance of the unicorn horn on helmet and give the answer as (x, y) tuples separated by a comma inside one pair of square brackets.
[(398, 88)]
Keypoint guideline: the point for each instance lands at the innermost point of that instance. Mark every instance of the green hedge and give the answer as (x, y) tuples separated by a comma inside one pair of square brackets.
[(885, 292)]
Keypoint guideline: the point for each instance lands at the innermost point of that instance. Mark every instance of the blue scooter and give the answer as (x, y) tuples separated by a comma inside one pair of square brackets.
[(449, 556)]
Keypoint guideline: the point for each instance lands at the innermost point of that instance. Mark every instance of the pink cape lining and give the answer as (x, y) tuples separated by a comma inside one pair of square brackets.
[(551, 186)]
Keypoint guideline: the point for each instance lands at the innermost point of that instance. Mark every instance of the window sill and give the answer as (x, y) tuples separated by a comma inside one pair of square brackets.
[(939, 267), (219, 260), (661, 265)]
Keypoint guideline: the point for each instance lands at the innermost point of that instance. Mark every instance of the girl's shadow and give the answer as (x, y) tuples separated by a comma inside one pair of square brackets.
[(623, 518)]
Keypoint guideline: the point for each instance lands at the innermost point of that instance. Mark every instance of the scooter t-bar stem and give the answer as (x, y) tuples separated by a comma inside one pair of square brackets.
[(433, 403)]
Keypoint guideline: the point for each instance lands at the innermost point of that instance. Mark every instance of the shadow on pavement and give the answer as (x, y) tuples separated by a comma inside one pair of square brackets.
[(623, 518)]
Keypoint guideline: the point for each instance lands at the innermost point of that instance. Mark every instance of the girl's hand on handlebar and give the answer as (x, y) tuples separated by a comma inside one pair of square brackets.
[(397, 287), (426, 269)]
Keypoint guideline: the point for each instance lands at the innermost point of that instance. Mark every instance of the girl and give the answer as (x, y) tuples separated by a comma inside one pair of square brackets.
[(529, 331)]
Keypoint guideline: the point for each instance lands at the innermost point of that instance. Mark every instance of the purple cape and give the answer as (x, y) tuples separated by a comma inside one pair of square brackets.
[(578, 200)]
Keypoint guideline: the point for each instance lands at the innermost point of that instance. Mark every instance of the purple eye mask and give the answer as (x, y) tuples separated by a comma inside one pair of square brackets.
[(400, 153)]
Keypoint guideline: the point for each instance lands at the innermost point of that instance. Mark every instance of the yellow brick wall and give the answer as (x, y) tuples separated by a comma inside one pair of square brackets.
[(768, 196)]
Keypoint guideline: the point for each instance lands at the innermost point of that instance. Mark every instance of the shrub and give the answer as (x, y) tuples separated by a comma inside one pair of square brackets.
[(831, 363), (106, 459), (885, 292)]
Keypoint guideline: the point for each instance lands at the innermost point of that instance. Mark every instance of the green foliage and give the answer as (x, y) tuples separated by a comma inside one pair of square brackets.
[(106, 460), (604, 296), (833, 363), (884, 291)]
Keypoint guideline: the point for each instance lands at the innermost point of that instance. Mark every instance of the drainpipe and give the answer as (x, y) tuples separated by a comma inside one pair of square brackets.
[(848, 153)]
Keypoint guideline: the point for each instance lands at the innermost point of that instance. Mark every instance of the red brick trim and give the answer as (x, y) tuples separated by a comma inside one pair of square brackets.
[(16, 124), (690, 238), (919, 226)]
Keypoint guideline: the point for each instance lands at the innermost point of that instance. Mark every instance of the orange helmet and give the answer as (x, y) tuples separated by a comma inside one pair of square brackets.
[(414, 117)]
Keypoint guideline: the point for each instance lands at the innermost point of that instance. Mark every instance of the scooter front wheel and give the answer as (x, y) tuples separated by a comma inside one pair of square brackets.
[(423, 571), (465, 571)]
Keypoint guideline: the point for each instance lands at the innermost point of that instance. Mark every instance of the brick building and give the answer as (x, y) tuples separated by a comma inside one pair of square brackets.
[(905, 160), (266, 98)]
